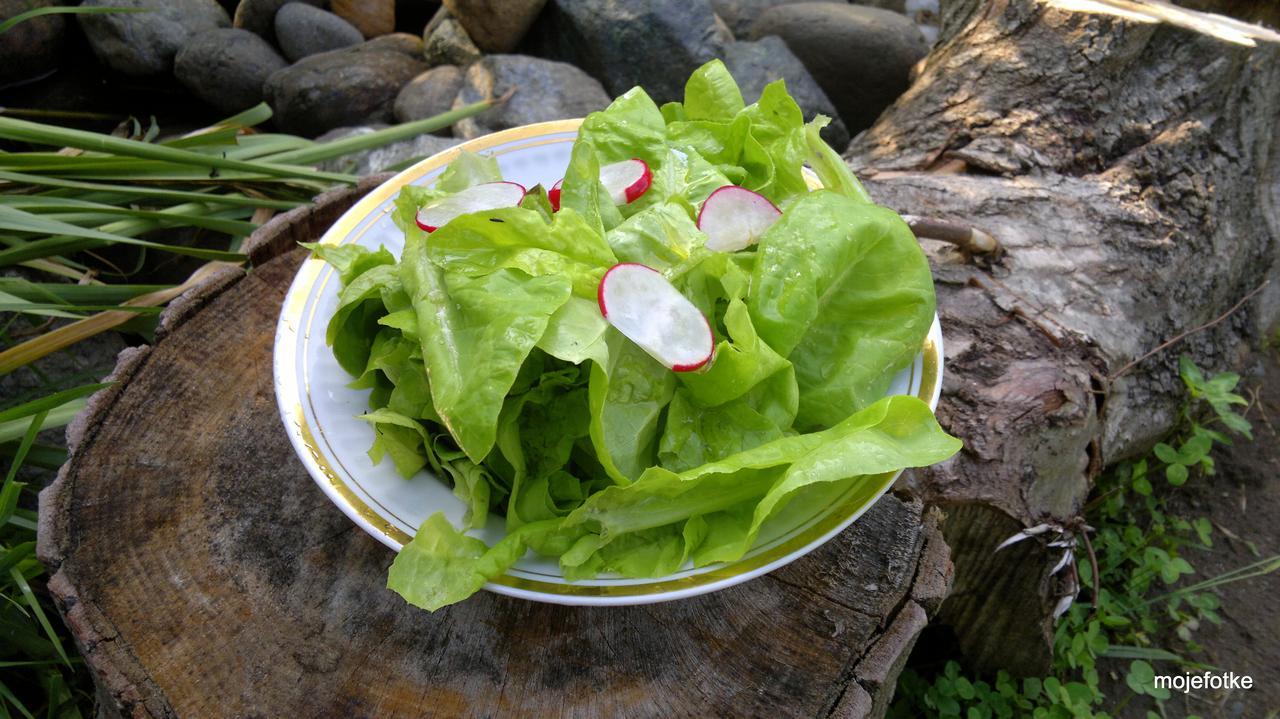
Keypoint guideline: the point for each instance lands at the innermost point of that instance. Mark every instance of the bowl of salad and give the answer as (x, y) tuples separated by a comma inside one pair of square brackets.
[(632, 358)]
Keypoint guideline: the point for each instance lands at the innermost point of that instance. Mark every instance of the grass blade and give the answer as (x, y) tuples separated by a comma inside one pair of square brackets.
[(10, 303), (9, 698), (12, 487), (73, 294), (57, 10), (65, 336), (327, 151), (53, 309), (34, 605), (16, 220), (50, 402), (50, 135), (59, 416), (155, 193), (44, 456)]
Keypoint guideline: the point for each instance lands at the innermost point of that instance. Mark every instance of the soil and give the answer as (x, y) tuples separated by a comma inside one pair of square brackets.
[(1242, 500)]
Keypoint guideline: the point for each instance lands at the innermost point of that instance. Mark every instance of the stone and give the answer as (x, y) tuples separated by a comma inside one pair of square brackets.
[(352, 86), (446, 42), (303, 30), (30, 49), (757, 63), (656, 44), (739, 15), (259, 16), (227, 67), (143, 44), (371, 17), (545, 90), (428, 94), (368, 162), (495, 25), (861, 56)]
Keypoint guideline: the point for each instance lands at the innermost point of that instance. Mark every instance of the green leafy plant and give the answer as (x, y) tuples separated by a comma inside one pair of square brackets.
[(64, 203), (1139, 547)]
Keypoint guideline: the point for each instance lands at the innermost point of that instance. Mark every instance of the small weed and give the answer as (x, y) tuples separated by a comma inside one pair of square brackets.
[(1139, 547)]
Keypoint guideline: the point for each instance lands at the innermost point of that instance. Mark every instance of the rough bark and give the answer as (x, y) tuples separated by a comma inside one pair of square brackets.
[(203, 574), (1129, 172)]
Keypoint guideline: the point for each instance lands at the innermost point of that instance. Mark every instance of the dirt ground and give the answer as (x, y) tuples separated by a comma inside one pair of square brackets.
[(1243, 502)]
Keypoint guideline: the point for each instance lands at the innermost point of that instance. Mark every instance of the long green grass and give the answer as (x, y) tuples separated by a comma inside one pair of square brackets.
[(71, 203)]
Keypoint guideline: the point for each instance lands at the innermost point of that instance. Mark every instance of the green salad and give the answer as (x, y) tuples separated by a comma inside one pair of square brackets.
[(631, 373)]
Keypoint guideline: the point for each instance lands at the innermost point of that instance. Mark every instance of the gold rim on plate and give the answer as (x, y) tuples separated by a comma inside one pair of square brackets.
[(291, 396)]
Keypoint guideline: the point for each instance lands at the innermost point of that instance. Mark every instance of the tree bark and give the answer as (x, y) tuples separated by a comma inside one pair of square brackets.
[(203, 574), (1129, 172)]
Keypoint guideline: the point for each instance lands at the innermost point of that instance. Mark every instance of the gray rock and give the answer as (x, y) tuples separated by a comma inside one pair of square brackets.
[(143, 44), (428, 94), (496, 25), (757, 63), (652, 43), (30, 49), (861, 56), (739, 15), (446, 42), (545, 90), (352, 86), (259, 16), (382, 158), (303, 30), (227, 68)]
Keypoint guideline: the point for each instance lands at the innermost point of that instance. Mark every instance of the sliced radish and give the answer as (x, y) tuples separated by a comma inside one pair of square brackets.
[(477, 198), (626, 181), (553, 195), (650, 311), (733, 218)]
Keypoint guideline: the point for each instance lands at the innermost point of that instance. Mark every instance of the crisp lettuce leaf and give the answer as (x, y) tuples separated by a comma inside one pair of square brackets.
[(712, 94), (841, 284), (892, 434), (627, 396), (475, 334), (488, 362), (480, 243), (468, 169), (442, 566), (661, 237), (576, 333), (350, 260)]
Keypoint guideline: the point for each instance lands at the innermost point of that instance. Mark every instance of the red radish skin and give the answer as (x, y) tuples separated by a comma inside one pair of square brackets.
[(733, 218), (626, 181), (477, 198), (652, 313), (553, 195)]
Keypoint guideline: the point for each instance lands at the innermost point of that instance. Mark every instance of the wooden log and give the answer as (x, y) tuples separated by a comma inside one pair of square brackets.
[(203, 574), (1129, 172)]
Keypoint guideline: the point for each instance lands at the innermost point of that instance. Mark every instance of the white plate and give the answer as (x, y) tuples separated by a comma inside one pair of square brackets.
[(319, 410)]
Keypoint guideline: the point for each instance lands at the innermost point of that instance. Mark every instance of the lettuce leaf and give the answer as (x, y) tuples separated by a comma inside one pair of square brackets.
[(475, 334), (841, 283), (489, 364)]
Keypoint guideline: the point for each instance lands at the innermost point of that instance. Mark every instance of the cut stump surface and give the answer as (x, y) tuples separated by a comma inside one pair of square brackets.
[(203, 574)]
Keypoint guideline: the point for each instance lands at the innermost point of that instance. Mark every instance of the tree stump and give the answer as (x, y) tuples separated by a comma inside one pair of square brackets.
[(203, 573)]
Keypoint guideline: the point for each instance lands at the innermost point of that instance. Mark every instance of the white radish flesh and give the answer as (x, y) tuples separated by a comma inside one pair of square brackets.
[(646, 308), (733, 218), (626, 181), (477, 198)]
